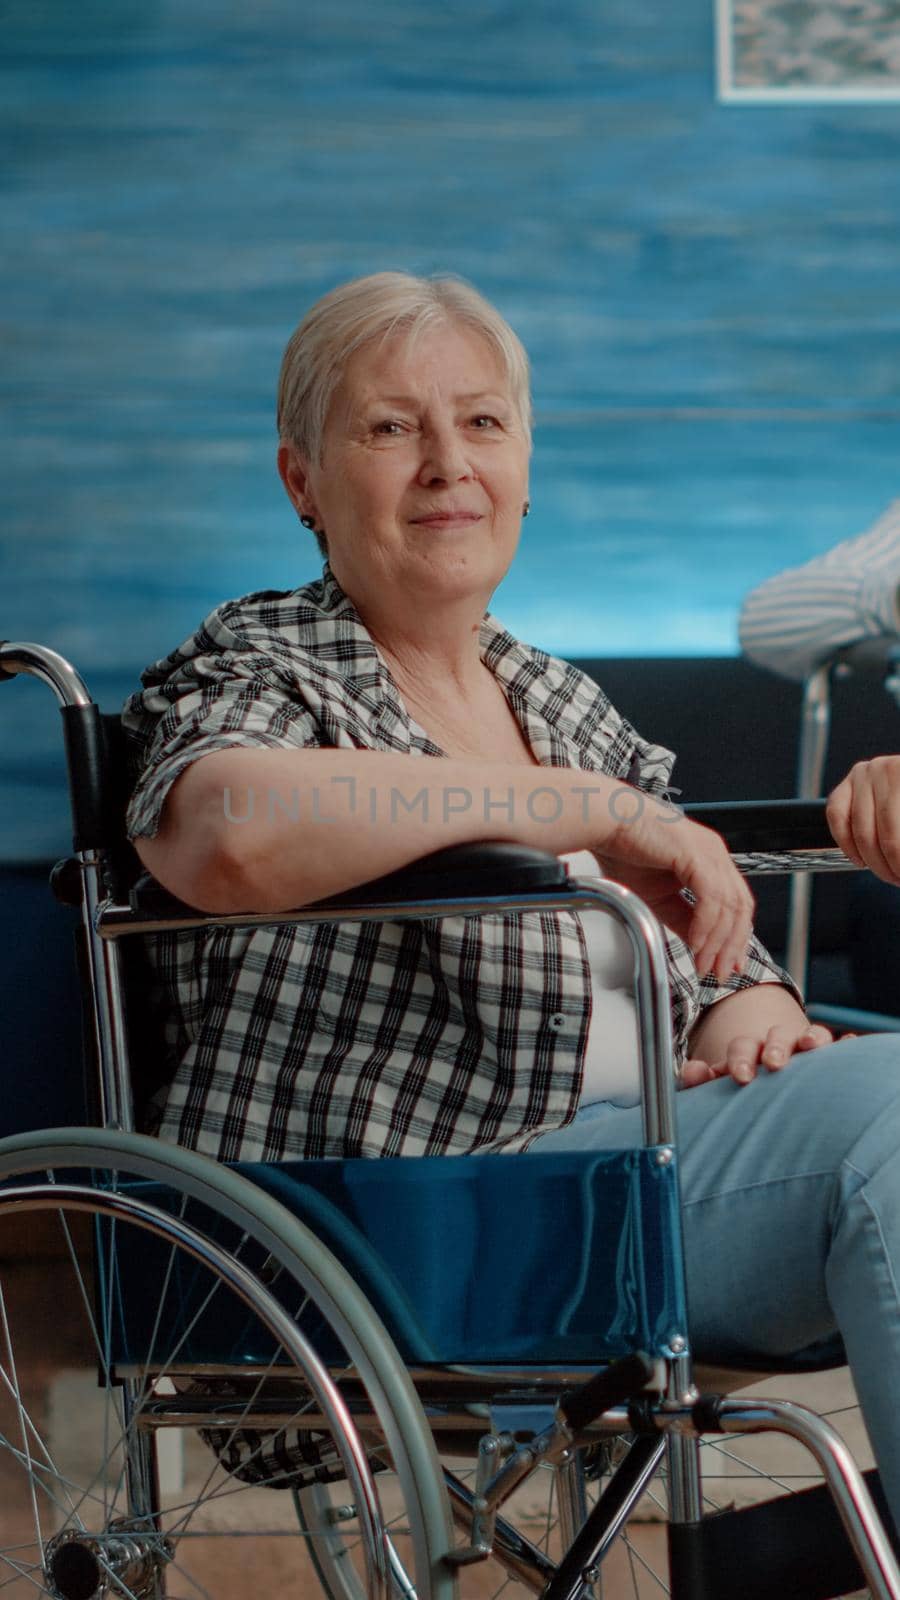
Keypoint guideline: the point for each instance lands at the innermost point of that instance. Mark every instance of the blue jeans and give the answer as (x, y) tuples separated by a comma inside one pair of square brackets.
[(791, 1192)]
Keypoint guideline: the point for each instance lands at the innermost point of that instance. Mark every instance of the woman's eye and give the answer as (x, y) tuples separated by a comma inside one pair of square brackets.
[(483, 421), (388, 427)]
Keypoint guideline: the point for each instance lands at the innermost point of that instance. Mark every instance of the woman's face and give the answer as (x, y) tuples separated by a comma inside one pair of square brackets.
[(424, 472)]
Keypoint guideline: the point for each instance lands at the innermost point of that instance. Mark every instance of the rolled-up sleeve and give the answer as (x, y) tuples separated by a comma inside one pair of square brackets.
[(693, 995), (196, 703), (800, 618)]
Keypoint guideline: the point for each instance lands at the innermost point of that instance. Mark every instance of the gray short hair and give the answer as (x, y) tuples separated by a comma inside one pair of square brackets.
[(376, 307)]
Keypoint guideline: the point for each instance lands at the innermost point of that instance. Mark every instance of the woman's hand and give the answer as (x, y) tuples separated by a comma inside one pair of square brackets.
[(864, 816), (659, 854), (746, 1053), (759, 1026)]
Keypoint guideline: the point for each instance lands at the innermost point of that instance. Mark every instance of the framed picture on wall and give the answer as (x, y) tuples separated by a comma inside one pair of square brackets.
[(808, 50)]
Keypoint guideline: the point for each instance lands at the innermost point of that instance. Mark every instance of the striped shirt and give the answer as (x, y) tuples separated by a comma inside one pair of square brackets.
[(801, 618), (373, 1039)]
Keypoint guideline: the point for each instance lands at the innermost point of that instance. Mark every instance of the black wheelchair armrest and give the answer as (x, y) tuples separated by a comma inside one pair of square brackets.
[(464, 871)]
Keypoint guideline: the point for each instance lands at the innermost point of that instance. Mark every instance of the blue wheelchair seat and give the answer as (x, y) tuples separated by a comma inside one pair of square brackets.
[(558, 1259)]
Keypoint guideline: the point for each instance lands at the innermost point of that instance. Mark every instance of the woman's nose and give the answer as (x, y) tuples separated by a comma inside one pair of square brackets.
[(443, 456)]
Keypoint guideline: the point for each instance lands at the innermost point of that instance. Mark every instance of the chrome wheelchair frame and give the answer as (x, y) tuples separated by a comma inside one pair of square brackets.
[(377, 1412)]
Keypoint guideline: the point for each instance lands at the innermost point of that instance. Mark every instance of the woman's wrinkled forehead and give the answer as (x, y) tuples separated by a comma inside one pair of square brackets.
[(407, 361)]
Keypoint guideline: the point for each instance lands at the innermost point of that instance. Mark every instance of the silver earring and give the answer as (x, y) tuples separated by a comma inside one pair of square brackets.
[(526, 508), (308, 522)]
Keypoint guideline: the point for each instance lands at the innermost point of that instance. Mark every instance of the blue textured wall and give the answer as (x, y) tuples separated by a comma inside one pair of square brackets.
[(709, 295)]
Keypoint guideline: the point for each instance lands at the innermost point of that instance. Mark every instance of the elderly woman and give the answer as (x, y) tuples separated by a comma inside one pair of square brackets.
[(302, 743)]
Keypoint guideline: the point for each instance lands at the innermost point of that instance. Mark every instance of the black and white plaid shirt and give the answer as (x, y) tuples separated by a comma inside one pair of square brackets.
[(385, 1038)]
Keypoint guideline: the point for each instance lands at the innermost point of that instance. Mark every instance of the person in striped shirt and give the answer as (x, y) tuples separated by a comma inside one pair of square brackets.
[(792, 624), (801, 618)]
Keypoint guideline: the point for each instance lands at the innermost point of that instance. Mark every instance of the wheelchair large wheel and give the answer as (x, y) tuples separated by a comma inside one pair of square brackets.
[(175, 1349)]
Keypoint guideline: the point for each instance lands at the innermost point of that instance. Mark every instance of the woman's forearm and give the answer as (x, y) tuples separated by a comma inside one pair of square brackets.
[(272, 829)]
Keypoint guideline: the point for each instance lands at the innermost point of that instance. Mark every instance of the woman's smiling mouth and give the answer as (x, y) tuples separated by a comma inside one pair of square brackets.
[(447, 519)]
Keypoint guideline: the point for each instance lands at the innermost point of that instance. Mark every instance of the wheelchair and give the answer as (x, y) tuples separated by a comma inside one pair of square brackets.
[(371, 1369)]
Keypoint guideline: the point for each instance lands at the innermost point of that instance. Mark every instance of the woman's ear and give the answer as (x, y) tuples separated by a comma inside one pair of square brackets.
[(294, 474)]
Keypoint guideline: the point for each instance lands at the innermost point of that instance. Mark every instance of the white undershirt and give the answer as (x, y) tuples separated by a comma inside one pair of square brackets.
[(611, 1063)]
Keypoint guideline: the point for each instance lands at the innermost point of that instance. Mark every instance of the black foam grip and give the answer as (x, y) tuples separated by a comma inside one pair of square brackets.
[(611, 1387), (707, 1413), (86, 765), (65, 882)]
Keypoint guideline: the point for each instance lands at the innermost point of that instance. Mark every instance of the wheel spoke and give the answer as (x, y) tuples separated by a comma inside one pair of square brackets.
[(634, 1555), (39, 1470), (550, 1519), (11, 1379), (195, 1583), (112, 1576), (751, 1471), (252, 1456), (21, 1571), (128, 1429)]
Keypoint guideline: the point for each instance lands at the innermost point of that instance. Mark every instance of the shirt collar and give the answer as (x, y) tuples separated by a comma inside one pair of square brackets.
[(538, 686)]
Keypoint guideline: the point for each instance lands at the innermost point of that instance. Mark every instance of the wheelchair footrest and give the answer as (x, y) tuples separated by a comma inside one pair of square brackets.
[(794, 1545)]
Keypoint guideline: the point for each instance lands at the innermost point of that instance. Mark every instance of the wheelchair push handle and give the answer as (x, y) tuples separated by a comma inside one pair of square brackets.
[(37, 661), (9, 667), (86, 760)]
